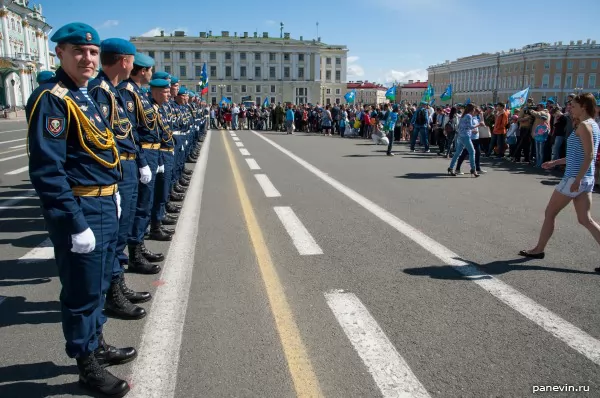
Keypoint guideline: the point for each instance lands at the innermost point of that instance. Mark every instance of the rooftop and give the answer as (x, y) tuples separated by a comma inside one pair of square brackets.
[(365, 85), (418, 84)]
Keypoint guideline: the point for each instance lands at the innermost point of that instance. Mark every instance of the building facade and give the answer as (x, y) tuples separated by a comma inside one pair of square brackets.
[(412, 92), (24, 50), (549, 70), (249, 67), (368, 93)]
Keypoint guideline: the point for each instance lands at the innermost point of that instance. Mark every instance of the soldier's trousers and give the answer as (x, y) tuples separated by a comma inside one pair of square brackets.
[(128, 189), (85, 278), (179, 160), (145, 199), (163, 187)]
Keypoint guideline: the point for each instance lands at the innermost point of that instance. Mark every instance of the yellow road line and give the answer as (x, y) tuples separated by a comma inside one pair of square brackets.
[(301, 370)]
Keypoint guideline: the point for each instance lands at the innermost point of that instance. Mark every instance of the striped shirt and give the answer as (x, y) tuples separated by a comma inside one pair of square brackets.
[(575, 154)]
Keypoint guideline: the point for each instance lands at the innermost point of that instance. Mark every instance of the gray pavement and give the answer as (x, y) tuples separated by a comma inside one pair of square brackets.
[(447, 334)]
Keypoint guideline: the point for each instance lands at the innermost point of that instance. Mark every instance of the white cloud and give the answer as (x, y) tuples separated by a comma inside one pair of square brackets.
[(354, 70), (156, 31), (270, 22), (404, 76), (110, 23)]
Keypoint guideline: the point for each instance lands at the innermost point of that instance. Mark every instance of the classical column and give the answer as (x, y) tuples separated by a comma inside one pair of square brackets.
[(46, 51), (317, 71), (307, 67), (24, 82), (25, 25), (5, 38), (39, 37)]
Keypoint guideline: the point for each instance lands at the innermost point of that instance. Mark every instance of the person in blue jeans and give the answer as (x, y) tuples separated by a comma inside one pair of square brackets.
[(420, 123), (463, 140), (540, 136)]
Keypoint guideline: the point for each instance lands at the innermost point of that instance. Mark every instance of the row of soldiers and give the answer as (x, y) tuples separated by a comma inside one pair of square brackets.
[(107, 159)]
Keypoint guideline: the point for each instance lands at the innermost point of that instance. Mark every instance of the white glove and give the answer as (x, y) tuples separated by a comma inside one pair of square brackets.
[(161, 169), (145, 174), (186, 142), (182, 148), (83, 242), (118, 197)]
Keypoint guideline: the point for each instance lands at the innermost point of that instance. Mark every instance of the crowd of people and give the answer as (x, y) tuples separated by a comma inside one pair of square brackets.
[(107, 158)]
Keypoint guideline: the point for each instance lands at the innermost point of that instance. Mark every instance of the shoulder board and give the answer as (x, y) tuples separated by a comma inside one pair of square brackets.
[(59, 90), (129, 87), (104, 86), (155, 106)]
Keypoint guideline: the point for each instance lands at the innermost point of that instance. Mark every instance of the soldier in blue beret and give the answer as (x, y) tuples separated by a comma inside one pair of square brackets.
[(44, 76), (74, 167), (161, 76), (117, 57), (183, 142), (144, 117)]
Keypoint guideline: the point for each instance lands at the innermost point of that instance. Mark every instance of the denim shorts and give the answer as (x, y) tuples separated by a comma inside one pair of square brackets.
[(564, 187)]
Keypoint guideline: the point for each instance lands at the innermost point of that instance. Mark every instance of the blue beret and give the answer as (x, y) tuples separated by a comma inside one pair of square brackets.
[(159, 83), (44, 76), (161, 75), (117, 46), (174, 80), (182, 91), (76, 33), (143, 60)]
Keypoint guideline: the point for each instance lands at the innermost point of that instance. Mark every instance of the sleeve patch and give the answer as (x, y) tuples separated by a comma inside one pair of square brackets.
[(129, 106), (55, 126), (104, 109)]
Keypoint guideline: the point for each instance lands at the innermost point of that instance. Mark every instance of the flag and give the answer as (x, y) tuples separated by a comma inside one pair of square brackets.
[(432, 102), (203, 77), (518, 99), (266, 102), (225, 100), (428, 94), (468, 101), (391, 93), (204, 91), (350, 96), (447, 94)]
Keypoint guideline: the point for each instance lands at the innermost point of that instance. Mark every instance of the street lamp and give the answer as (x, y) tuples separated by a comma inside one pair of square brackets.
[(221, 87), (14, 95), (578, 90)]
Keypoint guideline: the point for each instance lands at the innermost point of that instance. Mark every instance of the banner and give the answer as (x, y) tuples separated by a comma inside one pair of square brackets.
[(518, 99)]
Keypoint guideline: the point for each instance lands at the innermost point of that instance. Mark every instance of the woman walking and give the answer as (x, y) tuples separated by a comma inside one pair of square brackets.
[(578, 182), (326, 121), (467, 123)]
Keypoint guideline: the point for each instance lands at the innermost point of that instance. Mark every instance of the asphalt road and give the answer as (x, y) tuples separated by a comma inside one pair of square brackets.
[(316, 266)]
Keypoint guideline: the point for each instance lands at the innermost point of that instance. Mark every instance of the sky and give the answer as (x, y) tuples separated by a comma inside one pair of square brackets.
[(388, 40)]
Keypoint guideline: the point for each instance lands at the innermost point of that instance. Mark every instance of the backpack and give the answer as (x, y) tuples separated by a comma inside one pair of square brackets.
[(421, 119)]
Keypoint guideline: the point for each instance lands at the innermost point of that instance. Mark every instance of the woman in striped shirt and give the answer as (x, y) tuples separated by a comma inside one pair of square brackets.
[(578, 182)]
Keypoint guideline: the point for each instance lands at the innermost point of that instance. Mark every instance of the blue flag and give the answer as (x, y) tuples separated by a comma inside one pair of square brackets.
[(391, 93), (203, 77), (468, 101), (518, 99), (447, 94), (266, 102), (432, 102), (350, 96), (428, 94), (225, 100)]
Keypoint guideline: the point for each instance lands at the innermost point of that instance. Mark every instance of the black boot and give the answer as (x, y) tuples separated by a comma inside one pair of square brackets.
[(166, 230), (172, 207), (131, 295), (184, 182), (108, 355), (177, 197), (95, 378), (191, 159), (169, 220), (151, 256), (157, 233), (118, 306), (177, 188), (138, 263), (187, 172)]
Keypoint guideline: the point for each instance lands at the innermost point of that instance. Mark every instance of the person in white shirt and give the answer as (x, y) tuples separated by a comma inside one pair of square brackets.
[(235, 111)]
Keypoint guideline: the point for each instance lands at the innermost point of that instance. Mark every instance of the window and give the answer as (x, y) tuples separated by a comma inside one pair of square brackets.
[(558, 65), (257, 56), (151, 54), (181, 54), (182, 71), (197, 55), (227, 56), (228, 71), (257, 73), (533, 67), (545, 81), (301, 95), (337, 91), (228, 88), (328, 101), (532, 80), (338, 75), (527, 67), (272, 100), (569, 81), (213, 56), (300, 73), (257, 88), (243, 56), (328, 75), (580, 78), (546, 65), (300, 57), (526, 81), (338, 61), (272, 57), (272, 72), (569, 65), (328, 91), (556, 81), (594, 65), (328, 61), (12, 23), (198, 71), (213, 71), (272, 88), (242, 71), (258, 101), (582, 64), (168, 69), (544, 99), (213, 89), (286, 72), (592, 80), (286, 56), (167, 54), (213, 100), (244, 88)]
